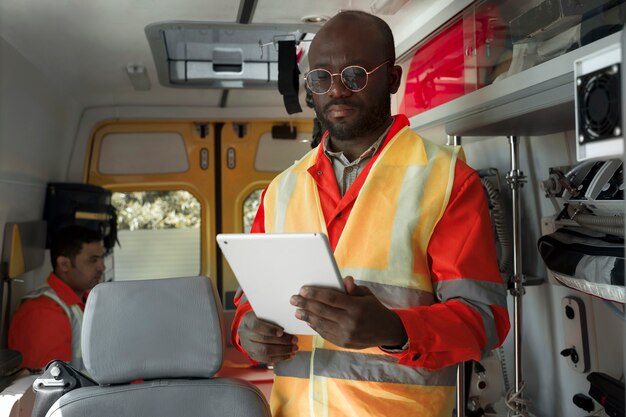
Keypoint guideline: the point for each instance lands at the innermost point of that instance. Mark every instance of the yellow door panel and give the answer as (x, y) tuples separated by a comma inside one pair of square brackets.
[(241, 176), (150, 145), (153, 155)]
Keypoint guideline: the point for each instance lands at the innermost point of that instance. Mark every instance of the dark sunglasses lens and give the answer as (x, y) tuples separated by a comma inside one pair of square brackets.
[(319, 81), (355, 78)]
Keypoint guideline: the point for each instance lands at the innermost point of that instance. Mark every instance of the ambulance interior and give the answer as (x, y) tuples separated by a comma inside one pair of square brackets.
[(185, 102)]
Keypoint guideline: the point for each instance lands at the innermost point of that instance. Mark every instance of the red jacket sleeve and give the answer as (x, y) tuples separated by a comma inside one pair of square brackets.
[(243, 306), (471, 317), (41, 331)]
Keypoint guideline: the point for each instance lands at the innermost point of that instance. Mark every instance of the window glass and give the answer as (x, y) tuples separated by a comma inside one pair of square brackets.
[(159, 235), (250, 206)]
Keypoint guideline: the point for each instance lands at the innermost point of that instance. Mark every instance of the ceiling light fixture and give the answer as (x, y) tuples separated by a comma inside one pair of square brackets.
[(138, 77), (316, 19)]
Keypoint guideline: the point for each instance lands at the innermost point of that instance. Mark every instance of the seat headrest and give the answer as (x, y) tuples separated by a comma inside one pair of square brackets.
[(153, 329)]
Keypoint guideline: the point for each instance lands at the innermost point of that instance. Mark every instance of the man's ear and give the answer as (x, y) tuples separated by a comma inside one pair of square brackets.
[(395, 77), (64, 263)]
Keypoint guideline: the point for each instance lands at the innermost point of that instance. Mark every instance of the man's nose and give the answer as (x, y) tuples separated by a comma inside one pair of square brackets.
[(338, 88)]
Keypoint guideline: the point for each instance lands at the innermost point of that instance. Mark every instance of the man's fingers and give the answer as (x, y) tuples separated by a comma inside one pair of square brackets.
[(326, 328), (349, 285), (334, 297), (320, 309), (264, 352), (353, 289), (285, 339), (264, 341), (326, 295), (256, 325)]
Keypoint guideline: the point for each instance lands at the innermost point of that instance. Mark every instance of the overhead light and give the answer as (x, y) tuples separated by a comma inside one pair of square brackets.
[(205, 54), (320, 20), (386, 7), (138, 77)]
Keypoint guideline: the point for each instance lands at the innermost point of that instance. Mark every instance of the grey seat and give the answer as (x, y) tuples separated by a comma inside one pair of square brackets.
[(169, 334)]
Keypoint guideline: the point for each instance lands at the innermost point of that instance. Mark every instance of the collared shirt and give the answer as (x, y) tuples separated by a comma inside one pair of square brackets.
[(346, 172), (40, 330)]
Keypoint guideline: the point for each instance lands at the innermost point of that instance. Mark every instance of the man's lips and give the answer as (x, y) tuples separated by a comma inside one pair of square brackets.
[(339, 110)]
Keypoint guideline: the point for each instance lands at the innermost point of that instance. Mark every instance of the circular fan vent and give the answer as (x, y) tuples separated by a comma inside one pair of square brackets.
[(599, 102)]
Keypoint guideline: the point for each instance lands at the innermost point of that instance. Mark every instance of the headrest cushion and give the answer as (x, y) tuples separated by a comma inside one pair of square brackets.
[(153, 329)]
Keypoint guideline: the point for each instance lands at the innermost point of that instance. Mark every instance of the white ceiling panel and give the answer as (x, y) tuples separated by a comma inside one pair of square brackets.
[(84, 46)]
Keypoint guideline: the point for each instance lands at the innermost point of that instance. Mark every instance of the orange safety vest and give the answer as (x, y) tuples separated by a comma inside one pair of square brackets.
[(383, 246)]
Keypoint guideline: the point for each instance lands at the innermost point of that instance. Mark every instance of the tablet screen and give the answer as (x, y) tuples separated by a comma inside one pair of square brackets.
[(272, 267)]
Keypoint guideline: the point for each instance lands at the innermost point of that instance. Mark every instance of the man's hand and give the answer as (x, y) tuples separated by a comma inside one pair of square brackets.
[(265, 342), (355, 319)]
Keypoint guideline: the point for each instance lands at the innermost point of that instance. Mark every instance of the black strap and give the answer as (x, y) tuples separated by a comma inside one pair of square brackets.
[(288, 82), (58, 379)]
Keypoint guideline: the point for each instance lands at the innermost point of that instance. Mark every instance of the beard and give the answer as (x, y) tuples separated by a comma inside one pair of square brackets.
[(366, 123)]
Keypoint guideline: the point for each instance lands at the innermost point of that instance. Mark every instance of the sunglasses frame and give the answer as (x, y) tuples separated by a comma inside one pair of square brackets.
[(332, 77)]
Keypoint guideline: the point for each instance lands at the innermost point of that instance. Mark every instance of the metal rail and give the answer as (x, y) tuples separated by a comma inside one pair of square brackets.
[(460, 370), (516, 179)]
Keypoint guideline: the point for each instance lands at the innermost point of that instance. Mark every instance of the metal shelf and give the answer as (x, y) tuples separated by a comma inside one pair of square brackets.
[(534, 102)]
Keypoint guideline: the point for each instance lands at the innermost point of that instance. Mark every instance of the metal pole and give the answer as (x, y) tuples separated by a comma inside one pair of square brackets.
[(453, 140), (460, 390), (515, 178)]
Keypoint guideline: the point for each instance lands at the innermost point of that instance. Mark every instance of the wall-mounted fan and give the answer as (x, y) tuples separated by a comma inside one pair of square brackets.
[(598, 98), (599, 108)]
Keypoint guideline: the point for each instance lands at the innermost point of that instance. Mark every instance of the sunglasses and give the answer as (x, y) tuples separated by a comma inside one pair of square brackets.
[(354, 77)]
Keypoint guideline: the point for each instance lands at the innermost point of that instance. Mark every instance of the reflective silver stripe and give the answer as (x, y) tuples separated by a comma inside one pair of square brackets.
[(488, 324), (408, 213), (77, 324), (363, 367), (284, 190), (481, 292), (478, 295), (75, 316), (393, 296), (297, 367), (377, 368), (48, 292), (433, 149), (385, 277)]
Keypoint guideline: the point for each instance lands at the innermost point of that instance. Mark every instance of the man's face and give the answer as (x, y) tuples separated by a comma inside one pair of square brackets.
[(86, 269), (346, 114)]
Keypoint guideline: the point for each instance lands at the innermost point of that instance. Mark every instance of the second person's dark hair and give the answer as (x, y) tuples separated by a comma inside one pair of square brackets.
[(69, 241)]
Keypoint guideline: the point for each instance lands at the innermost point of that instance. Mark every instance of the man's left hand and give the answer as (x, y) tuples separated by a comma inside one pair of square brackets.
[(355, 319)]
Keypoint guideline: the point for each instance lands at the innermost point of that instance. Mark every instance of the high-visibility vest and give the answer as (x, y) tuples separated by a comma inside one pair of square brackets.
[(75, 316), (383, 246)]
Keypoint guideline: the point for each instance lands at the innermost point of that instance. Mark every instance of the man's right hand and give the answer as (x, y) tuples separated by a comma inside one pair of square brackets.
[(265, 342)]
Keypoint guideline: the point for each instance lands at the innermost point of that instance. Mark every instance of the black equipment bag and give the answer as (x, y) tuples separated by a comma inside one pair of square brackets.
[(81, 204), (586, 260)]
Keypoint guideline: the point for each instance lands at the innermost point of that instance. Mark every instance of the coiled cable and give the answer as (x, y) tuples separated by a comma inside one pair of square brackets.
[(498, 218)]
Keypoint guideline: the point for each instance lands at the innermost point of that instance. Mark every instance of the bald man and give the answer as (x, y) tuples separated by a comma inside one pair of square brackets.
[(410, 229)]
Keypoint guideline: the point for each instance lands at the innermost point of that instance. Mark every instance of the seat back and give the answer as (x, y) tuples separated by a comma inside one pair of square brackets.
[(154, 347)]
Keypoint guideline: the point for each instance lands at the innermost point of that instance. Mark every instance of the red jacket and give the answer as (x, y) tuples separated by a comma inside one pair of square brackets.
[(41, 330), (462, 245)]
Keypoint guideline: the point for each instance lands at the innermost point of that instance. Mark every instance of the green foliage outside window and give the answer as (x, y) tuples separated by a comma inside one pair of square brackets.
[(156, 210), (250, 206)]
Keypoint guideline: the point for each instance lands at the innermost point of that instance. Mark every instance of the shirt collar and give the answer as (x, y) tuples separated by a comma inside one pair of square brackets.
[(65, 292), (368, 152)]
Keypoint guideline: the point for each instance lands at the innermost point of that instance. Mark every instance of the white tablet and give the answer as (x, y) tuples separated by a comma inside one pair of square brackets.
[(270, 268)]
